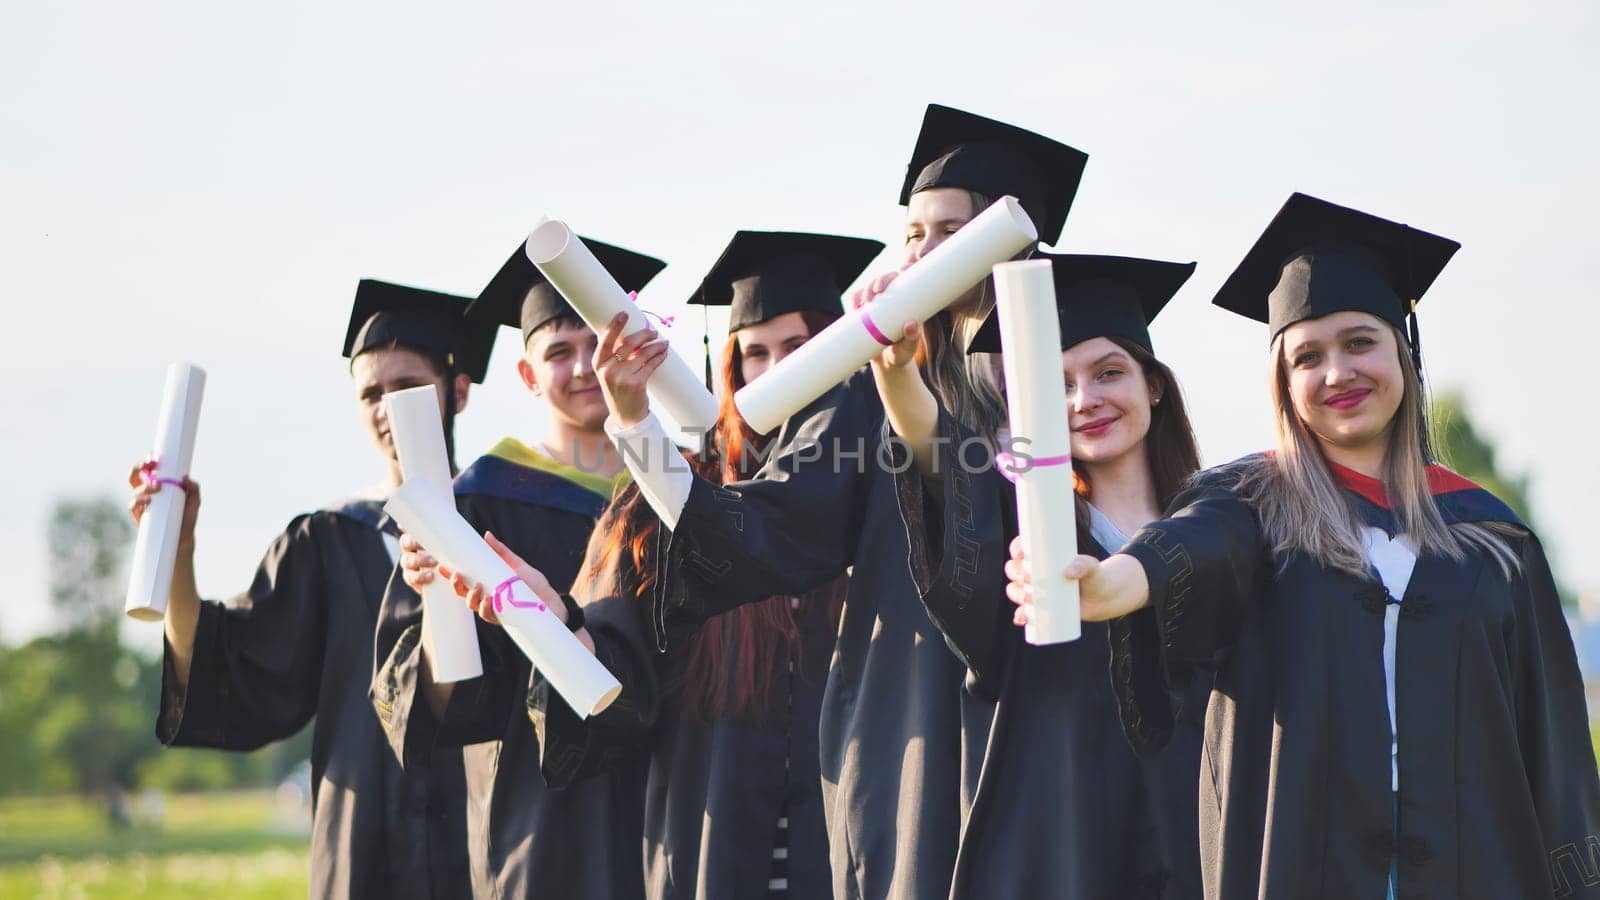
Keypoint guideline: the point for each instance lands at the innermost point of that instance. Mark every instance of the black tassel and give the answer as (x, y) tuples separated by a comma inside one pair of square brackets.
[(705, 337), (1416, 339)]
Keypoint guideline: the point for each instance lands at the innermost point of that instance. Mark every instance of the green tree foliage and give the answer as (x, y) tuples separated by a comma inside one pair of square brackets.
[(1462, 447), (77, 709)]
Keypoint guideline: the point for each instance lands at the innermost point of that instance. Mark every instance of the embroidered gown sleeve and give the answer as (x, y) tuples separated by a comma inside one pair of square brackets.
[(1205, 564)]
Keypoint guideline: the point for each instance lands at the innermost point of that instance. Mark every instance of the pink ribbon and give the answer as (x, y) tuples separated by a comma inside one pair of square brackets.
[(503, 595), (872, 329), (148, 472), (1011, 467), (666, 321)]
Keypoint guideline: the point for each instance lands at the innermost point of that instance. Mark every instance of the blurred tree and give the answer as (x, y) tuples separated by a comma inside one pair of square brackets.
[(1462, 447), (77, 709)]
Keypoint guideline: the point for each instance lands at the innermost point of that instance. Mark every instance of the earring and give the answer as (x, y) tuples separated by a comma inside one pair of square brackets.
[(536, 391)]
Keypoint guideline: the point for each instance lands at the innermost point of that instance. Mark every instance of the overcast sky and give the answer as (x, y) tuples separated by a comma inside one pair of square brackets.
[(207, 181)]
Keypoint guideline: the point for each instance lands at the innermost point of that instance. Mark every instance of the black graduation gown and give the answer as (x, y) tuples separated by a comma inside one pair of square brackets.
[(523, 839), (1498, 792), (899, 738), (298, 644), (715, 789), (1063, 808)]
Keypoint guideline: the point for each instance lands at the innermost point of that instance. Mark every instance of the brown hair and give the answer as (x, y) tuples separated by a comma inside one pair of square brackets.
[(1170, 447)]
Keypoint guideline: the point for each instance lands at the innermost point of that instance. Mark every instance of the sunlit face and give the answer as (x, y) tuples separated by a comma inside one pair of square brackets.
[(1344, 377), (931, 217), (378, 372), (558, 364), (1108, 400), (765, 345)]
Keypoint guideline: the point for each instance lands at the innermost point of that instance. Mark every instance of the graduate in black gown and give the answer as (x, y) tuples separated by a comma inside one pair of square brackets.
[(298, 643), (1397, 707), (541, 501), (1064, 808), (733, 802), (900, 739)]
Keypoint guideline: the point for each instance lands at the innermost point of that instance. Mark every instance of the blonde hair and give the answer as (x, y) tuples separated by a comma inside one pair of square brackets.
[(1303, 511), (966, 384)]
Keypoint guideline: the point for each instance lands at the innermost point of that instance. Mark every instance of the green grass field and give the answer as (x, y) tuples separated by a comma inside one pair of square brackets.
[(210, 845)]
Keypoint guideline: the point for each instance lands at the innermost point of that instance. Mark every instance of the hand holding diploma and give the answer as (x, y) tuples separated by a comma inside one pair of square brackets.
[(183, 597), (911, 408), (481, 600), (625, 364), (161, 518), (536, 626), (568, 264), (448, 635), (922, 290), (1108, 589)]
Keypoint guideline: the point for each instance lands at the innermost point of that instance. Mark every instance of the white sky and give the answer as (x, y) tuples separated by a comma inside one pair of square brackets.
[(208, 181)]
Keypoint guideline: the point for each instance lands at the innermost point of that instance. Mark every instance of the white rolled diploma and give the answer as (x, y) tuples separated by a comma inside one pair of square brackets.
[(586, 685), (921, 291), (1036, 398), (155, 551), (569, 265), (449, 632)]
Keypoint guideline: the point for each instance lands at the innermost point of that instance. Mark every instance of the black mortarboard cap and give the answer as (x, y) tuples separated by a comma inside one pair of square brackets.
[(959, 149), (519, 295), (1318, 258), (763, 274), (1101, 296), (427, 322)]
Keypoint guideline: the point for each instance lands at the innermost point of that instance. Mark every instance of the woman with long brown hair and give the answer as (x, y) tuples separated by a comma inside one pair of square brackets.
[(1062, 807), (898, 735), (1397, 706), (733, 799)]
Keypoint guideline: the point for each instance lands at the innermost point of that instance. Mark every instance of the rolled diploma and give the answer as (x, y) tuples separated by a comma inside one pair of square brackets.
[(1030, 342), (155, 551), (934, 282), (586, 685), (569, 265), (449, 632)]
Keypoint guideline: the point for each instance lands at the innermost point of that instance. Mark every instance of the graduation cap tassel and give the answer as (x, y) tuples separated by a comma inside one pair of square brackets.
[(705, 340), (1416, 339)]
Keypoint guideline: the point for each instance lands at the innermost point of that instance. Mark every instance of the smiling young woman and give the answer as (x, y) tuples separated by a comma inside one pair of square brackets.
[(1397, 707), (1062, 806)]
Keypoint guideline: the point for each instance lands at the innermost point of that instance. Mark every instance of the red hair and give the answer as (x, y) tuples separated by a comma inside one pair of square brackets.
[(736, 665)]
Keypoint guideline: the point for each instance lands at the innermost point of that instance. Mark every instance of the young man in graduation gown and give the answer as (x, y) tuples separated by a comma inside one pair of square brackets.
[(901, 741), (297, 644), (524, 840)]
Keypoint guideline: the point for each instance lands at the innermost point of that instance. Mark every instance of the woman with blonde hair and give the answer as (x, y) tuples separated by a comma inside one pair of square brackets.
[(1397, 707)]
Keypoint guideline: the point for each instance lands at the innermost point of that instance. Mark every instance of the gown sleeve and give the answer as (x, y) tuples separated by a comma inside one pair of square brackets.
[(1553, 729), (1205, 563), (573, 748), (958, 525), (477, 710), (257, 663), (790, 530)]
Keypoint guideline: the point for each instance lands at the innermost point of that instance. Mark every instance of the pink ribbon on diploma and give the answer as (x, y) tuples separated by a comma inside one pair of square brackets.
[(666, 321), (1011, 467), (503, 595), (148, 472), (872, 329)]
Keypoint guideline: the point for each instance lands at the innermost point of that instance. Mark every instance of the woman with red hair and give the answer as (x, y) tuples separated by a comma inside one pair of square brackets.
[(733, 799)]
